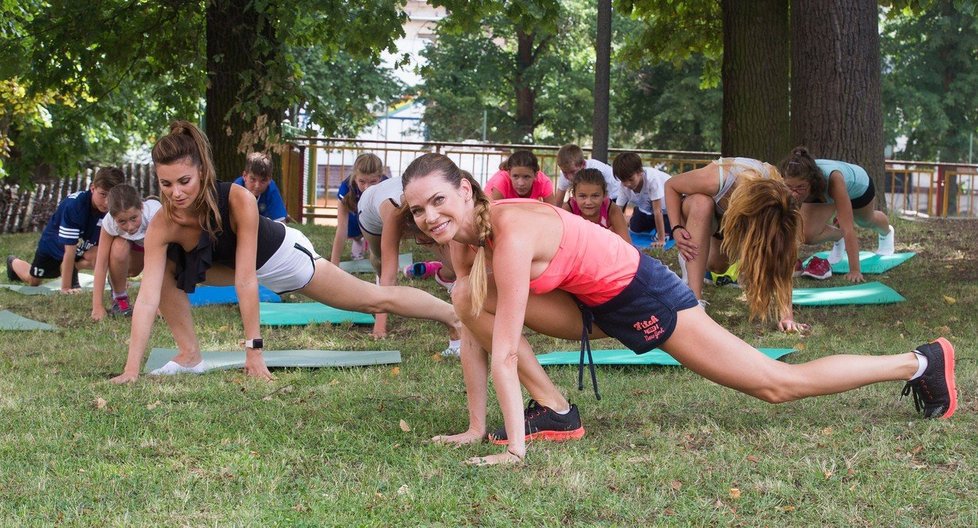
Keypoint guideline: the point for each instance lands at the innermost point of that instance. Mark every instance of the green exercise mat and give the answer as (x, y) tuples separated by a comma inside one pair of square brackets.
[(868, 262), (50, 287), (232, 359), (866, 293), (297, 314), (12, 321), (363, 265), (627, 357)]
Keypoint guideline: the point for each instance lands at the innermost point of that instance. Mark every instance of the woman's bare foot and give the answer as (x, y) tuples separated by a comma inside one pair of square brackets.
[(506, 457), (468, 437)]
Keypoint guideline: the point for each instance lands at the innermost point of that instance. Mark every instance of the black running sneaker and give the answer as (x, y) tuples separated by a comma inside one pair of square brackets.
[(11, 274), (75, 284), (934, 392), (543, 423)]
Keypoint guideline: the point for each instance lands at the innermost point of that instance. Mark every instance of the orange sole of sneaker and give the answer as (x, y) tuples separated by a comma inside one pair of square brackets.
[(549, 436), (952, 389)]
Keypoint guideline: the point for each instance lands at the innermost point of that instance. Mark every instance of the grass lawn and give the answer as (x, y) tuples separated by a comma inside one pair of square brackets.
[(350, 446)]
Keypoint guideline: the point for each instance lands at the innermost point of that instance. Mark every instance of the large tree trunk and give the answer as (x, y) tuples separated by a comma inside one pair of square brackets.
[(602, 82), (239, 39), (525, 93), (835, 105), (755, 75)]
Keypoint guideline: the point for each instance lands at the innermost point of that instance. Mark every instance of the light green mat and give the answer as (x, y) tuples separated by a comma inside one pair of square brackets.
[(868, 262), (232, 359), (627, 357), (363, 265), (297, 314), (50, 287), (866, 293), (12, 321)]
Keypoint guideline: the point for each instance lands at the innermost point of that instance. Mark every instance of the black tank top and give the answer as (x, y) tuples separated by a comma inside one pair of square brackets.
[(192, 266)]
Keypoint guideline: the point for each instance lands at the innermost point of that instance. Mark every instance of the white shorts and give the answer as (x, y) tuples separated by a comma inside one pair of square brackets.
[(292, 265)]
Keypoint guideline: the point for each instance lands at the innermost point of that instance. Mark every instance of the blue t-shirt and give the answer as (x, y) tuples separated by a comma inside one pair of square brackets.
[(270, 203), (75, 221), (352, 224)]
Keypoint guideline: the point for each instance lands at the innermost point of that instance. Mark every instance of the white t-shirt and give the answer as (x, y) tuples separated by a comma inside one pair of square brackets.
[(150, 208), (654, 188), (564, 183)]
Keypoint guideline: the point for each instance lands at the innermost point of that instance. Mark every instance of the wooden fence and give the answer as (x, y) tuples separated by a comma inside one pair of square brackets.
[(25, 210)]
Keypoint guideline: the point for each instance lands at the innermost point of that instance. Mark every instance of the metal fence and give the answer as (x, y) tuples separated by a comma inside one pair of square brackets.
[(910, 187), (915, 188)]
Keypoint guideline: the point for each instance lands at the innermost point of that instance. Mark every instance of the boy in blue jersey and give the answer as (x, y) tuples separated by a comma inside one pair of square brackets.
[(257, 178), (69, 240)]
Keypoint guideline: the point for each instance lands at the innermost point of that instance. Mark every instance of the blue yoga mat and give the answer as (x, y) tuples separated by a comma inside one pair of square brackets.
[(866, 293), (644, 240), (868, 262), (205, 295), (627, 357)]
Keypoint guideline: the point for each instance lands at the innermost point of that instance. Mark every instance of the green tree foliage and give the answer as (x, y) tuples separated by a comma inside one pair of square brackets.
[(930, 82), (654, 103), (526, 67), (108, 75)]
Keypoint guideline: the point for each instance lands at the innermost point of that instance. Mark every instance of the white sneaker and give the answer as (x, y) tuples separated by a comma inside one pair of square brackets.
[(838, 251), (172, 367), (886, 244), (682, 266), (357, 248), (452, 352), (703, 303)]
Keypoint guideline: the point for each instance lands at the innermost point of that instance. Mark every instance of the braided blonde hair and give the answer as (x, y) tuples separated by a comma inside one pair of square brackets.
[(433, 163)]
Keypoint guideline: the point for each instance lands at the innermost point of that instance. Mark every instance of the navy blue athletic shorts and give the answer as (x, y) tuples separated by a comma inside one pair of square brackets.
[(643, 315)]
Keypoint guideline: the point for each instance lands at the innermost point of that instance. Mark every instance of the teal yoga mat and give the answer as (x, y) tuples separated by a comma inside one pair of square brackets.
[(627, 357), (232, 359), (12, 321), (297, 314), (866, 293), (50, 287), (363, 265), (868, 262)]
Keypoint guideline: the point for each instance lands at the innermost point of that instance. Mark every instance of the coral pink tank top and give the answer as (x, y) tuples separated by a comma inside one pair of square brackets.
[(592, 263)]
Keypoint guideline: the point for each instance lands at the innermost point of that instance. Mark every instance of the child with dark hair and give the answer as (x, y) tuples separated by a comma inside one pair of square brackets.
[(68, 242), (830, 189), (570, 160), (644, 188), (257, 178), (368, 170), (520, 177), (589, 199), (120, 249)]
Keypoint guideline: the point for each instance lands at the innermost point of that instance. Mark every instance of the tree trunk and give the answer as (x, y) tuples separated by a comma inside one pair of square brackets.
[(755, 76), (241, 46), (836, 108), (602, 82), (525, 94)]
